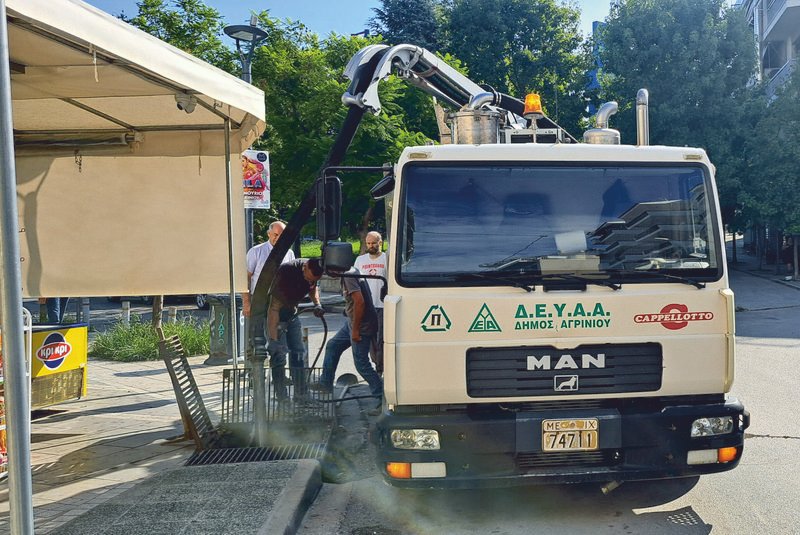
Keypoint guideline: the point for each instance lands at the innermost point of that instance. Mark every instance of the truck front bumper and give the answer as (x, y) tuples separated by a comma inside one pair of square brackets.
[(497, 445)]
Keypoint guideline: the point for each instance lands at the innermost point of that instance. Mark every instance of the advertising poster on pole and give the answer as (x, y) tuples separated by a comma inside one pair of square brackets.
[(255, 174)]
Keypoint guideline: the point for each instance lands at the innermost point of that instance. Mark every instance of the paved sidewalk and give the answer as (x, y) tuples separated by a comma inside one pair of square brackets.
[(246, 498), (748, 263), (87, 451), (104, 449)]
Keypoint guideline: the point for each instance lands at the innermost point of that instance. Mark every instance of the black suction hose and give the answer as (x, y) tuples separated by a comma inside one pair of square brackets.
[(321, 348)]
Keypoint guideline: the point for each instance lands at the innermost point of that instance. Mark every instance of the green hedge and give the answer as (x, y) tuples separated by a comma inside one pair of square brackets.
[(139, 341), (313, 249)]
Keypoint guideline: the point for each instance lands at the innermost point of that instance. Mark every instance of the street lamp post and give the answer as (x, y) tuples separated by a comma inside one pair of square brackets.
[(248, 37)]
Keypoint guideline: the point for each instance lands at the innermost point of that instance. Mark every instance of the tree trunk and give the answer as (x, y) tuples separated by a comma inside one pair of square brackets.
[(733, 254), (796, 246), (158, 310)]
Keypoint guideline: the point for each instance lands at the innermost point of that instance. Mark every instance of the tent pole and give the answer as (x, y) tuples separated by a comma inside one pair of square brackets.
[(15, 381), (231, 253)]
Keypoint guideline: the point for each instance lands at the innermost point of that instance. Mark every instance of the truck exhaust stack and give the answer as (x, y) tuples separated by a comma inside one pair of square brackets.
[(603, 135), (642, 117)]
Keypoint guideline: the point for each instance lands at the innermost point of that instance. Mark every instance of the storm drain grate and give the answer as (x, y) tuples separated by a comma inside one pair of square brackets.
[(253, 455)]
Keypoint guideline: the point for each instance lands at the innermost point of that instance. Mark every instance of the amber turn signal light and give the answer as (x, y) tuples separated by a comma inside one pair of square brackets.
[(399, 470), (726, 455)]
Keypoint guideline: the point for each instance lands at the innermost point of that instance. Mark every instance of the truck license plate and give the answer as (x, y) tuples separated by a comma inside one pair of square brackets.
[(580, 434)]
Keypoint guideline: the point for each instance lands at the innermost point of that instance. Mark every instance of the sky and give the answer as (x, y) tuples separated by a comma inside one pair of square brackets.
[(322, 16)]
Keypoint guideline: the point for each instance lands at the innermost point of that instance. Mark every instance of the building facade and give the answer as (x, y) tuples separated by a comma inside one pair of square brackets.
[(776, 25)]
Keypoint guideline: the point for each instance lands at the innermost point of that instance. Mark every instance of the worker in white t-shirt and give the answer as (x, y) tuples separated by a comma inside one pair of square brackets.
[(374, 263)]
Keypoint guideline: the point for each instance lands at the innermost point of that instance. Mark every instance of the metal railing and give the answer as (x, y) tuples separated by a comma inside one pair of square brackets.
[(303, 405), (780, 77), (774, 8)]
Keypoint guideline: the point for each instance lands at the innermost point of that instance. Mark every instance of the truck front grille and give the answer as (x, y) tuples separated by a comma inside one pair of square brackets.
[(548, 371), (584, 459)]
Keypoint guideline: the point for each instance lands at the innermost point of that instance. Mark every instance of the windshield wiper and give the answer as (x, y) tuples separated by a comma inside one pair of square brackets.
[(505, 263), (658, 275), (581, 278), (509, 279)]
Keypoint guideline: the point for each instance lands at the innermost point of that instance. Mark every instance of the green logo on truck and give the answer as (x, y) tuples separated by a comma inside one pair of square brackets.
[(435, 320), (484, 322), (541, 316)]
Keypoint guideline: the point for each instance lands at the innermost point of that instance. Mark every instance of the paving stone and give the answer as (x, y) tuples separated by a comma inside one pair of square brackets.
[(83, 525), (150, 528), (191, 474)]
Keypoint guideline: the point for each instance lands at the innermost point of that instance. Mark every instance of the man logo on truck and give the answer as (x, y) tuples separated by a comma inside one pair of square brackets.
[(567, 383), (54, 350), (567, 361)]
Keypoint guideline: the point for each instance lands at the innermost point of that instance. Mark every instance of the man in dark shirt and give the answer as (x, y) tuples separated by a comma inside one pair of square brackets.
[(293, 281), (358, 331)]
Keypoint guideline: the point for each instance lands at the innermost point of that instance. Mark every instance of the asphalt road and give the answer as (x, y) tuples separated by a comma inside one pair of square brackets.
[(760, 496)]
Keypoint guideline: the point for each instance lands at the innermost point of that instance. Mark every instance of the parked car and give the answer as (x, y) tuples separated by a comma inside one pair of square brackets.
[(200, 300)]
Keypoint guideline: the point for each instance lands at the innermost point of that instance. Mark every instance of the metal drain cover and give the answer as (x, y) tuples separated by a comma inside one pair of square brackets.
[(252, 455)]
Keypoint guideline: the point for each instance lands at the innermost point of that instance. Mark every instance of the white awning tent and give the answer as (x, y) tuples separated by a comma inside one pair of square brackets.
[(120, 192)]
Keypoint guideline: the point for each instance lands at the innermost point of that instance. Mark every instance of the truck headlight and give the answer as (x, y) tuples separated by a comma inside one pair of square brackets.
[(415, 439), (717, 425)]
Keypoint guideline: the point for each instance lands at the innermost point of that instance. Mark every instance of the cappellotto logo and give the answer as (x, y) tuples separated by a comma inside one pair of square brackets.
[(674, 316)]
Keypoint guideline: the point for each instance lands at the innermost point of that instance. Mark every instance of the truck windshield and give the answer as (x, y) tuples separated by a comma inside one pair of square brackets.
[(520, 223)]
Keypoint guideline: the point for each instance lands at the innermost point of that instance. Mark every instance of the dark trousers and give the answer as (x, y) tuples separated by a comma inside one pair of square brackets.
[(291, 338), (56, 306), (333, 352)]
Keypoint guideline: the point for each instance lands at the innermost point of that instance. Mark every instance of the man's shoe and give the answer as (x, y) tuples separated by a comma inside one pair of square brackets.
[(302, 401), (321, 388), (376, 410)]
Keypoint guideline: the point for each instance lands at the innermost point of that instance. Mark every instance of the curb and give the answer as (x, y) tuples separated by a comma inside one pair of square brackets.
[(295, 500)]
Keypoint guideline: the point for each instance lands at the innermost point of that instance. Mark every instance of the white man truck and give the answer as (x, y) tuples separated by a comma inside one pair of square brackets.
[(555, 312)]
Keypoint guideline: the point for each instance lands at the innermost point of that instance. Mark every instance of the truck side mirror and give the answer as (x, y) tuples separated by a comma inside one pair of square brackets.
[(337, 256), (383, 187), (329, 207)]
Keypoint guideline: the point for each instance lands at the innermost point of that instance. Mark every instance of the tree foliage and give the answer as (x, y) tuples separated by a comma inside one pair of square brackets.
[(189, 25), (516, 46), (519, 46), (416, 22), (696, 58), (773, 150), (302, 78)]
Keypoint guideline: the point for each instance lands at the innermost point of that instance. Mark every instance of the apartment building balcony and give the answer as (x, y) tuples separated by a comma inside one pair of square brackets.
[(777, 77), (781, 19)]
